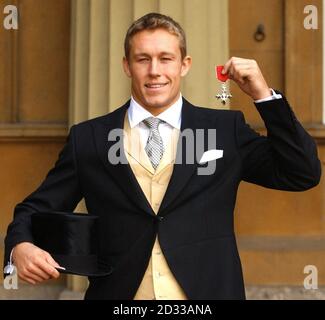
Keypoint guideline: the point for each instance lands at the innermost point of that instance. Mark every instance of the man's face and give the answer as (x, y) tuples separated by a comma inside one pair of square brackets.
[(155, 66)]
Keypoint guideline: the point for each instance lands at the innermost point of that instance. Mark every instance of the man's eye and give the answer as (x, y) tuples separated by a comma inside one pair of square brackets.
[(166, 59), (143, 59)]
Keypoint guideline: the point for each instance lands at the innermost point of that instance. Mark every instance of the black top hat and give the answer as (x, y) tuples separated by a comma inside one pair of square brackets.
[(72, 241)]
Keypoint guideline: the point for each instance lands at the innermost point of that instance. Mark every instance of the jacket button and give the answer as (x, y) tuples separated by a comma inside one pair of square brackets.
[(160, 218)]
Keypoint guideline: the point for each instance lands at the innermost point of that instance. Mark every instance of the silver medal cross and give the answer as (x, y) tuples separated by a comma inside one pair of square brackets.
[(224, 96)]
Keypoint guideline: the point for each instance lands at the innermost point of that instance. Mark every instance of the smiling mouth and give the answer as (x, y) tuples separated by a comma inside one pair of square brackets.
[(155, 85)]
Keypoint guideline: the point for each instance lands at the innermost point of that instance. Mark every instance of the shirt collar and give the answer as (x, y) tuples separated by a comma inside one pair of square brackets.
[(136, 113)]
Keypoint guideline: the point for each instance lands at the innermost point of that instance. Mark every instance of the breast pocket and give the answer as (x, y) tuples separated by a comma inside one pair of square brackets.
[(211, 167)]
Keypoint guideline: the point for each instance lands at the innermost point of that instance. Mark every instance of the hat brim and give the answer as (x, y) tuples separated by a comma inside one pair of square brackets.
[(95, 273), (87, 266)]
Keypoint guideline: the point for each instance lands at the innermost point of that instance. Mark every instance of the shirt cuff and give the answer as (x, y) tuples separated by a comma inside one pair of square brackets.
[(274, 96)]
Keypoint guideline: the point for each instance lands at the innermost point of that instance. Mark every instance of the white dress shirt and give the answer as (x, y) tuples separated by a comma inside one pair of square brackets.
[(274, 96), (171, 116)]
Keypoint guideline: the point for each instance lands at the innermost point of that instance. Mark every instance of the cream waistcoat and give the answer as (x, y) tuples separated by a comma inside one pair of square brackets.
[(158, 281)]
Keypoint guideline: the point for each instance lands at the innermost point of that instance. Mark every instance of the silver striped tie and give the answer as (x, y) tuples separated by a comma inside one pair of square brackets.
[(154, 146)]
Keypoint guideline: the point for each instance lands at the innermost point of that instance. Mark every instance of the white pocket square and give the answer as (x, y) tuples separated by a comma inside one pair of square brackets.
[(211, 155)]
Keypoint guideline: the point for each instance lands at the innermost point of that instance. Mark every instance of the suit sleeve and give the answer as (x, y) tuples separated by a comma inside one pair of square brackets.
[(286, 159), (60, 191)]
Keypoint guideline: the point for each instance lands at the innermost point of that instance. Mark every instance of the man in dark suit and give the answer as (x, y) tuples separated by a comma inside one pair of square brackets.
[(166, 229)]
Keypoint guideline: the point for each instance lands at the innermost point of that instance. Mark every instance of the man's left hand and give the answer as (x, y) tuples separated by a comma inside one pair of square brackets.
[(248, 76)]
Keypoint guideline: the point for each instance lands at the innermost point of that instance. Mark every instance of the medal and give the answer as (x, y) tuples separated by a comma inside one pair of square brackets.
[(224, 95)]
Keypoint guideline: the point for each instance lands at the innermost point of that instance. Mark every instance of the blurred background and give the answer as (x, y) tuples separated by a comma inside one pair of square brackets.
[(63, 65)]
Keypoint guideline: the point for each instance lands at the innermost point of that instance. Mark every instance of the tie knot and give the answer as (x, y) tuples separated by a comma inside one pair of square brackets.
[(152, 123)]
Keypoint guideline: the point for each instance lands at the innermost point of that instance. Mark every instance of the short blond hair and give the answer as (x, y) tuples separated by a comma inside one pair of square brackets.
[(152, 21)]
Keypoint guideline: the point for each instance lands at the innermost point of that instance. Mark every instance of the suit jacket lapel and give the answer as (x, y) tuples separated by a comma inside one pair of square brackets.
[(134, 147), (121, 173), (182, 171)]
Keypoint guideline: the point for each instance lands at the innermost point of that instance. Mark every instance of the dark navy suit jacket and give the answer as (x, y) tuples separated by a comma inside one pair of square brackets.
[(195, 223)]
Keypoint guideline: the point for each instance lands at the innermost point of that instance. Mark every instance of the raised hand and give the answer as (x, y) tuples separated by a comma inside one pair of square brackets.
[(248, 76)]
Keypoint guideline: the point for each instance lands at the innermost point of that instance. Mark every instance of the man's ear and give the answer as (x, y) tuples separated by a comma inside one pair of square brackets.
[(186, 65), (126, 67)]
